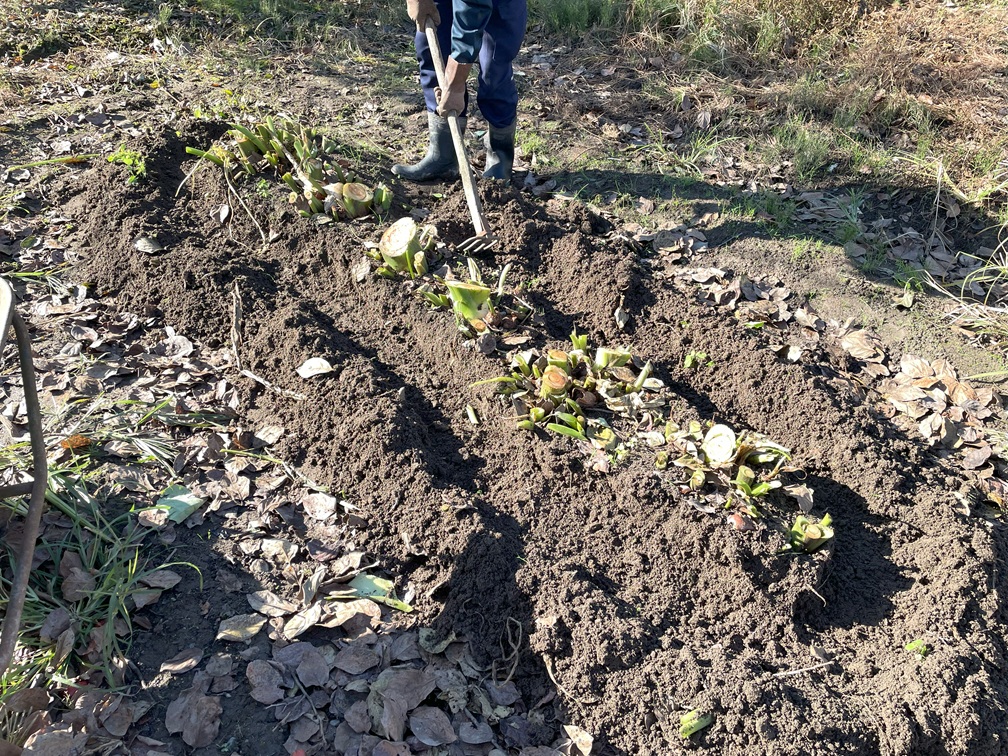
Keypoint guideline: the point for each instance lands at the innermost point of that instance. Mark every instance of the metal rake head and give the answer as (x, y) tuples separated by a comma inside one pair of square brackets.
[(478, 244)]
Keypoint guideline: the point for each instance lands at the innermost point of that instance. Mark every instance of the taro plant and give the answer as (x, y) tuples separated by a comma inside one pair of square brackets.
[(564, 391), (807, 536), (747, 465), (321, 182), (476, 305), (404, 248)]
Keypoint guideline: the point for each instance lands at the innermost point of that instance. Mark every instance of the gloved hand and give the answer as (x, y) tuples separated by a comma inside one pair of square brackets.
[(421, 10), (451, 101)]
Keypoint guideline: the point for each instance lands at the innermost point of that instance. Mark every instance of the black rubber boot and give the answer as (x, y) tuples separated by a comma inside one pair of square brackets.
[(440, 161), (500, 149)]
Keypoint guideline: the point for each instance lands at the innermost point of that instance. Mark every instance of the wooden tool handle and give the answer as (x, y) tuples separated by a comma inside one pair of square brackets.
[(468, 184)]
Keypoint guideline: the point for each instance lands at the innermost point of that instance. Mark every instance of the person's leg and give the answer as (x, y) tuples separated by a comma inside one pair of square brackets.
[(440, 160), (497, 93)]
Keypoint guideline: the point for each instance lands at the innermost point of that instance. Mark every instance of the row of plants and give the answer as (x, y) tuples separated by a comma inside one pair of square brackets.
[(580, 393), (321, 181)]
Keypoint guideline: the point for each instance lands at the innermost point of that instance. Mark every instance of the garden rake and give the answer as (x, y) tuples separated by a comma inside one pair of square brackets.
[(35, 488), (482, 240)]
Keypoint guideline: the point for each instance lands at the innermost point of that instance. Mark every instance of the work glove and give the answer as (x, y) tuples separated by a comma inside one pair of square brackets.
[(451, 101), (421, 10)]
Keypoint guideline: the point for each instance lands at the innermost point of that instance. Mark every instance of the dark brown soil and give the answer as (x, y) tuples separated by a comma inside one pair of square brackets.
[(640, 605)]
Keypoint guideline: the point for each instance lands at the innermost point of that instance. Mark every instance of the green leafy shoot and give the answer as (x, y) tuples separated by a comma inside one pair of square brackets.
[(692, 722)]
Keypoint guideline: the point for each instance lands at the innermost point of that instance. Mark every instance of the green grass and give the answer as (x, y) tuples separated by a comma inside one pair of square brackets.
[(806, 145)]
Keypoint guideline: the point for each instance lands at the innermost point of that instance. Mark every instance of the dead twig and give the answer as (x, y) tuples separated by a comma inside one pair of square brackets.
[(562, 689), (245, 207), (515, 643), (236, 324), (793, 672), (267, 385)]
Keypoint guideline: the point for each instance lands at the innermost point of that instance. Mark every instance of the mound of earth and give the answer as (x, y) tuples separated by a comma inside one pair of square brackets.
[(626, 601)]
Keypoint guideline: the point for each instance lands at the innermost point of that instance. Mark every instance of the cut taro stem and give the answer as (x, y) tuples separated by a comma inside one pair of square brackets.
[(403, 246), (610, 358), (554, 382), (470, 300), (357, 199), (558, 358), (644, 374)]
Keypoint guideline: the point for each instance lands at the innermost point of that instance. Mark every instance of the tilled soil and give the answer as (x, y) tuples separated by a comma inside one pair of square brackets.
[(633, 606)]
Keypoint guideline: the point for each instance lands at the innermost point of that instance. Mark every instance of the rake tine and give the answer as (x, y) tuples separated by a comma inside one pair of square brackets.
[(475, 245)]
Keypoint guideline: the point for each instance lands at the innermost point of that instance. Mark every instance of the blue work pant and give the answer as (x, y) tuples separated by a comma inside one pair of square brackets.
[(496, 92)]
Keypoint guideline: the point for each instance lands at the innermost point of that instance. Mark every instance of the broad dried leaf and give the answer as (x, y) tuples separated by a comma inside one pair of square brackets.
[(78, 585), (146, 597), (864, 346), (196, 716), (803, 494), (320, 506), (339, 613), (55, 624), (219, 665), (265, 680), (387, 748), (148, 245), (358, 718), (431, 726), (976, 458), (475, 734), (915, 367), (268, 603), (356, 659), (163, 579), (314, 366), (241, 627), (269, 434), (278, 549), (183, 661), (302, 621), (431, 643), (582, 740), (313, 669)]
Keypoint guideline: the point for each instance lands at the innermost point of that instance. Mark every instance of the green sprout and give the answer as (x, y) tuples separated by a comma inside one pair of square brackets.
[(697, 359), (134, 161), (918, 646), (692, 722)]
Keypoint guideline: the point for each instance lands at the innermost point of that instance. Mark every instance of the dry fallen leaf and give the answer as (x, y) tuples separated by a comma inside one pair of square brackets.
[(803, 494), (582, 740), (863, 345), (268, 603), (265, 681), (183, 661), (976, 458), (240, 628), (163, 579), (314, 366), (278, 549), (313, 669), (358, 718), (475, 734), (196, 716), (356, 659), (431, 726), (302, 621), (319, 506)]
